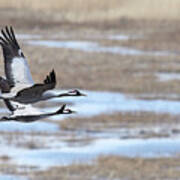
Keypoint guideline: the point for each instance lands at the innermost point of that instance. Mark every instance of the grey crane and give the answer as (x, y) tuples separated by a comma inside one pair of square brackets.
[(19, 82)]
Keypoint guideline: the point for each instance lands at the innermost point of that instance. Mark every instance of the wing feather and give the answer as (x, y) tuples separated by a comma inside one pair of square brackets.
[(35, 92), (16, 66)]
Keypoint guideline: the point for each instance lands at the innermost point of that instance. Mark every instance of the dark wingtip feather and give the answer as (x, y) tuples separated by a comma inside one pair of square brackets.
[(9, 33), (5, 33), (9, 37), (12, 32), (2, 41)]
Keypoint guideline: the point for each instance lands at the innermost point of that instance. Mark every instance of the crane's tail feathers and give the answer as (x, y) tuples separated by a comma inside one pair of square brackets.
[(51, 78)]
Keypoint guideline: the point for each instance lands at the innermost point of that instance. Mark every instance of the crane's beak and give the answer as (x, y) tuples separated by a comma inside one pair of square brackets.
[(69, 111), (73, 112), (82, 94)]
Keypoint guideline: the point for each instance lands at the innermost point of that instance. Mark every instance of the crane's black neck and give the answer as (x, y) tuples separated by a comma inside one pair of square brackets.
[(65, 94)]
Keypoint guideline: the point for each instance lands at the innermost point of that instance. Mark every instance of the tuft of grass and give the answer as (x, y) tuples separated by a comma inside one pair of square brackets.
[(5, 158)]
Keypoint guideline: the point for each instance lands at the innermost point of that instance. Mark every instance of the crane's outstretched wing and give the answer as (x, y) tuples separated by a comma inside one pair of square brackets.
[(16, 66)]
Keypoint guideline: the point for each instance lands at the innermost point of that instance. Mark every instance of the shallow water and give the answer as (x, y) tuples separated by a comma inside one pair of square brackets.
[(38, 126), (45, 158), (59, 152), (11, 177), (123, 37), (96, 103), (168, 76), (90, 46)]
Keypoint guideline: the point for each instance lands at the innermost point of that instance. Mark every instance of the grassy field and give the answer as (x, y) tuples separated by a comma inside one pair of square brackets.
[(110, 167), (129, 74), (157, 25), (119, 120), (114, 167), (84, 10)]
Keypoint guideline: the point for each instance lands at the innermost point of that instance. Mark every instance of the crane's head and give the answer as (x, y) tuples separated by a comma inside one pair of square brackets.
[(76, 92), (64, 110), (68, 111)]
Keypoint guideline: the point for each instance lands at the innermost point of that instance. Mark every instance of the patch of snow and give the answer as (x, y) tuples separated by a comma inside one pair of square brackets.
[(89, 46)]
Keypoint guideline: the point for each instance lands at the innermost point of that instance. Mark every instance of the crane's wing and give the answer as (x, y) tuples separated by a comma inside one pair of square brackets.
[(35, 92), (30, 94), (16, 66)]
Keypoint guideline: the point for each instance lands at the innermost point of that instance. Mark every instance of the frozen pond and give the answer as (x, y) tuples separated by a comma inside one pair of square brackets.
[(163, 76), (91, 46), (96, 103), (45, 158), (57, 151), (12, 177), (39, 126), (123, 37)]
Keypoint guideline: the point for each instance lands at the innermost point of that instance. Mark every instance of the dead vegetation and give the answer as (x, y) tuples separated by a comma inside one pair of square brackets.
[(126, 125), (158, 29), (84, 10), (104, 71), (115, 167), (118, 120)]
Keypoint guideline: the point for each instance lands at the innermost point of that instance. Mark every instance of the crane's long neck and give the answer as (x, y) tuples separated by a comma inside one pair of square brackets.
[(49, 95), (65, 94)]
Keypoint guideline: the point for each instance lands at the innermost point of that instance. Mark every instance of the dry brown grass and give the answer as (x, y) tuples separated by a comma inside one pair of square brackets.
[(94, 10), (114, 167), (118, 121), (101, 71), (105, 71)]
